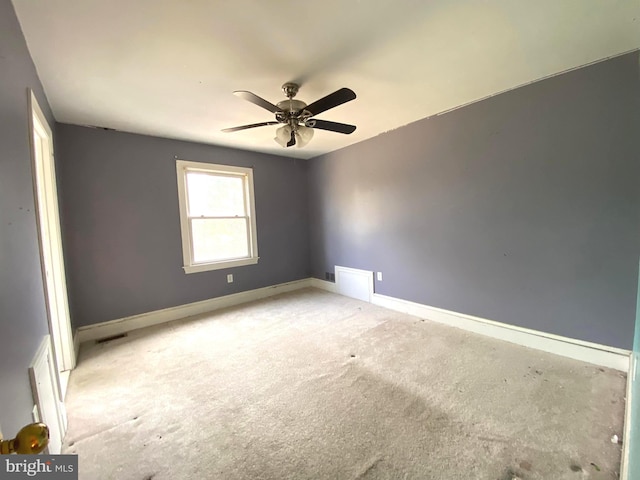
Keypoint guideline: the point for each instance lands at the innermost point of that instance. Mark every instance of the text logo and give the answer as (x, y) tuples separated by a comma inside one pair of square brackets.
[(50, 467)]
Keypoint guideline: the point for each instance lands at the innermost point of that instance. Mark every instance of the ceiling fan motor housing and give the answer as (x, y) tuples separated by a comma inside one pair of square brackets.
[(291, 106), (290, 89), (292, 112)]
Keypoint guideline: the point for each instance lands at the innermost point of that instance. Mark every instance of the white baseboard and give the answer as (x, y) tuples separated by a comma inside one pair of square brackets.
[(626, 435), (323, 285), (602, 355), (135, 322), (594, 353)]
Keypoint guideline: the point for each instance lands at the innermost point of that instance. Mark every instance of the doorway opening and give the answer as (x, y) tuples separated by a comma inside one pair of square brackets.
[(50, 239)]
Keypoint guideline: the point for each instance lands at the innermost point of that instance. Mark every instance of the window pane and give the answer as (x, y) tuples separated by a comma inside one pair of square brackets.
[(219, 239), (215, 196)]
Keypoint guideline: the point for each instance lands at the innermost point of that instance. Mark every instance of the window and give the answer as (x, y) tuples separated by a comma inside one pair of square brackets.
[(217, 216)]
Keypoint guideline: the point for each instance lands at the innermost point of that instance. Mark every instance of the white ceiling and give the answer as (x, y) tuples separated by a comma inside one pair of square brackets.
[(169, 67)]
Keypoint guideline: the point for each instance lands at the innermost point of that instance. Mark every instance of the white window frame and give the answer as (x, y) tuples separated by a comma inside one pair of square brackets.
[(182, 168)]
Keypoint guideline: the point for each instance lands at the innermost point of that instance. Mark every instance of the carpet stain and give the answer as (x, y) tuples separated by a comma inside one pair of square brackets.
[(526, 465), (416, 408), (575, 468)]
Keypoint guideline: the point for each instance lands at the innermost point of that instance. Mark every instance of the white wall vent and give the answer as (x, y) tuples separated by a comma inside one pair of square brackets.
[(354, 283)]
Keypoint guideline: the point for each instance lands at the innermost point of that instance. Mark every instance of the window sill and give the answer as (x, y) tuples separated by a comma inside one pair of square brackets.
[(205, 267)]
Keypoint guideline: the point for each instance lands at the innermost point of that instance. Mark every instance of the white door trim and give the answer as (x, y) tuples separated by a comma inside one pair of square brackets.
[(50, 238), (46, 395)]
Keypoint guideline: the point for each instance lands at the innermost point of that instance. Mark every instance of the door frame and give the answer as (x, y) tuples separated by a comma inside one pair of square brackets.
[(50, 241)]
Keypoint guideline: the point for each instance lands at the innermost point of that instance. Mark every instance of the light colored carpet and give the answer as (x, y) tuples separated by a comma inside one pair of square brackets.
[(311, 385)]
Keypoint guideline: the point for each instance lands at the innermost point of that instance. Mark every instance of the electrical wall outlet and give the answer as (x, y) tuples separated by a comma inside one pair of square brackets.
[(379, 276), (230, 278)]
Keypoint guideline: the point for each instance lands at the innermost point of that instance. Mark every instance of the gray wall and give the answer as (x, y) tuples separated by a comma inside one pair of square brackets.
[(23, 320), (122, 228), (523, 208)]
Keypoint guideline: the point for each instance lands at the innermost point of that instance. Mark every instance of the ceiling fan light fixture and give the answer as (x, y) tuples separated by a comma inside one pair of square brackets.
[(303, 136), (283, 135)]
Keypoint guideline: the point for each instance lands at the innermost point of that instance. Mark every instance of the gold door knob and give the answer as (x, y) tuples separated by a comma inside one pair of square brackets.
[(31, 439)]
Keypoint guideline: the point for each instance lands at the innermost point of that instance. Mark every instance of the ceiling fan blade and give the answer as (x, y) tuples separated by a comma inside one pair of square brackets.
[(244, 127), (334, 99), (253, 98), (331, 126)]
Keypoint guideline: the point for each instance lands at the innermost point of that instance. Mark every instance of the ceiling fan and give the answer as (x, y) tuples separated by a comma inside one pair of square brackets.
[(296, 116)]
